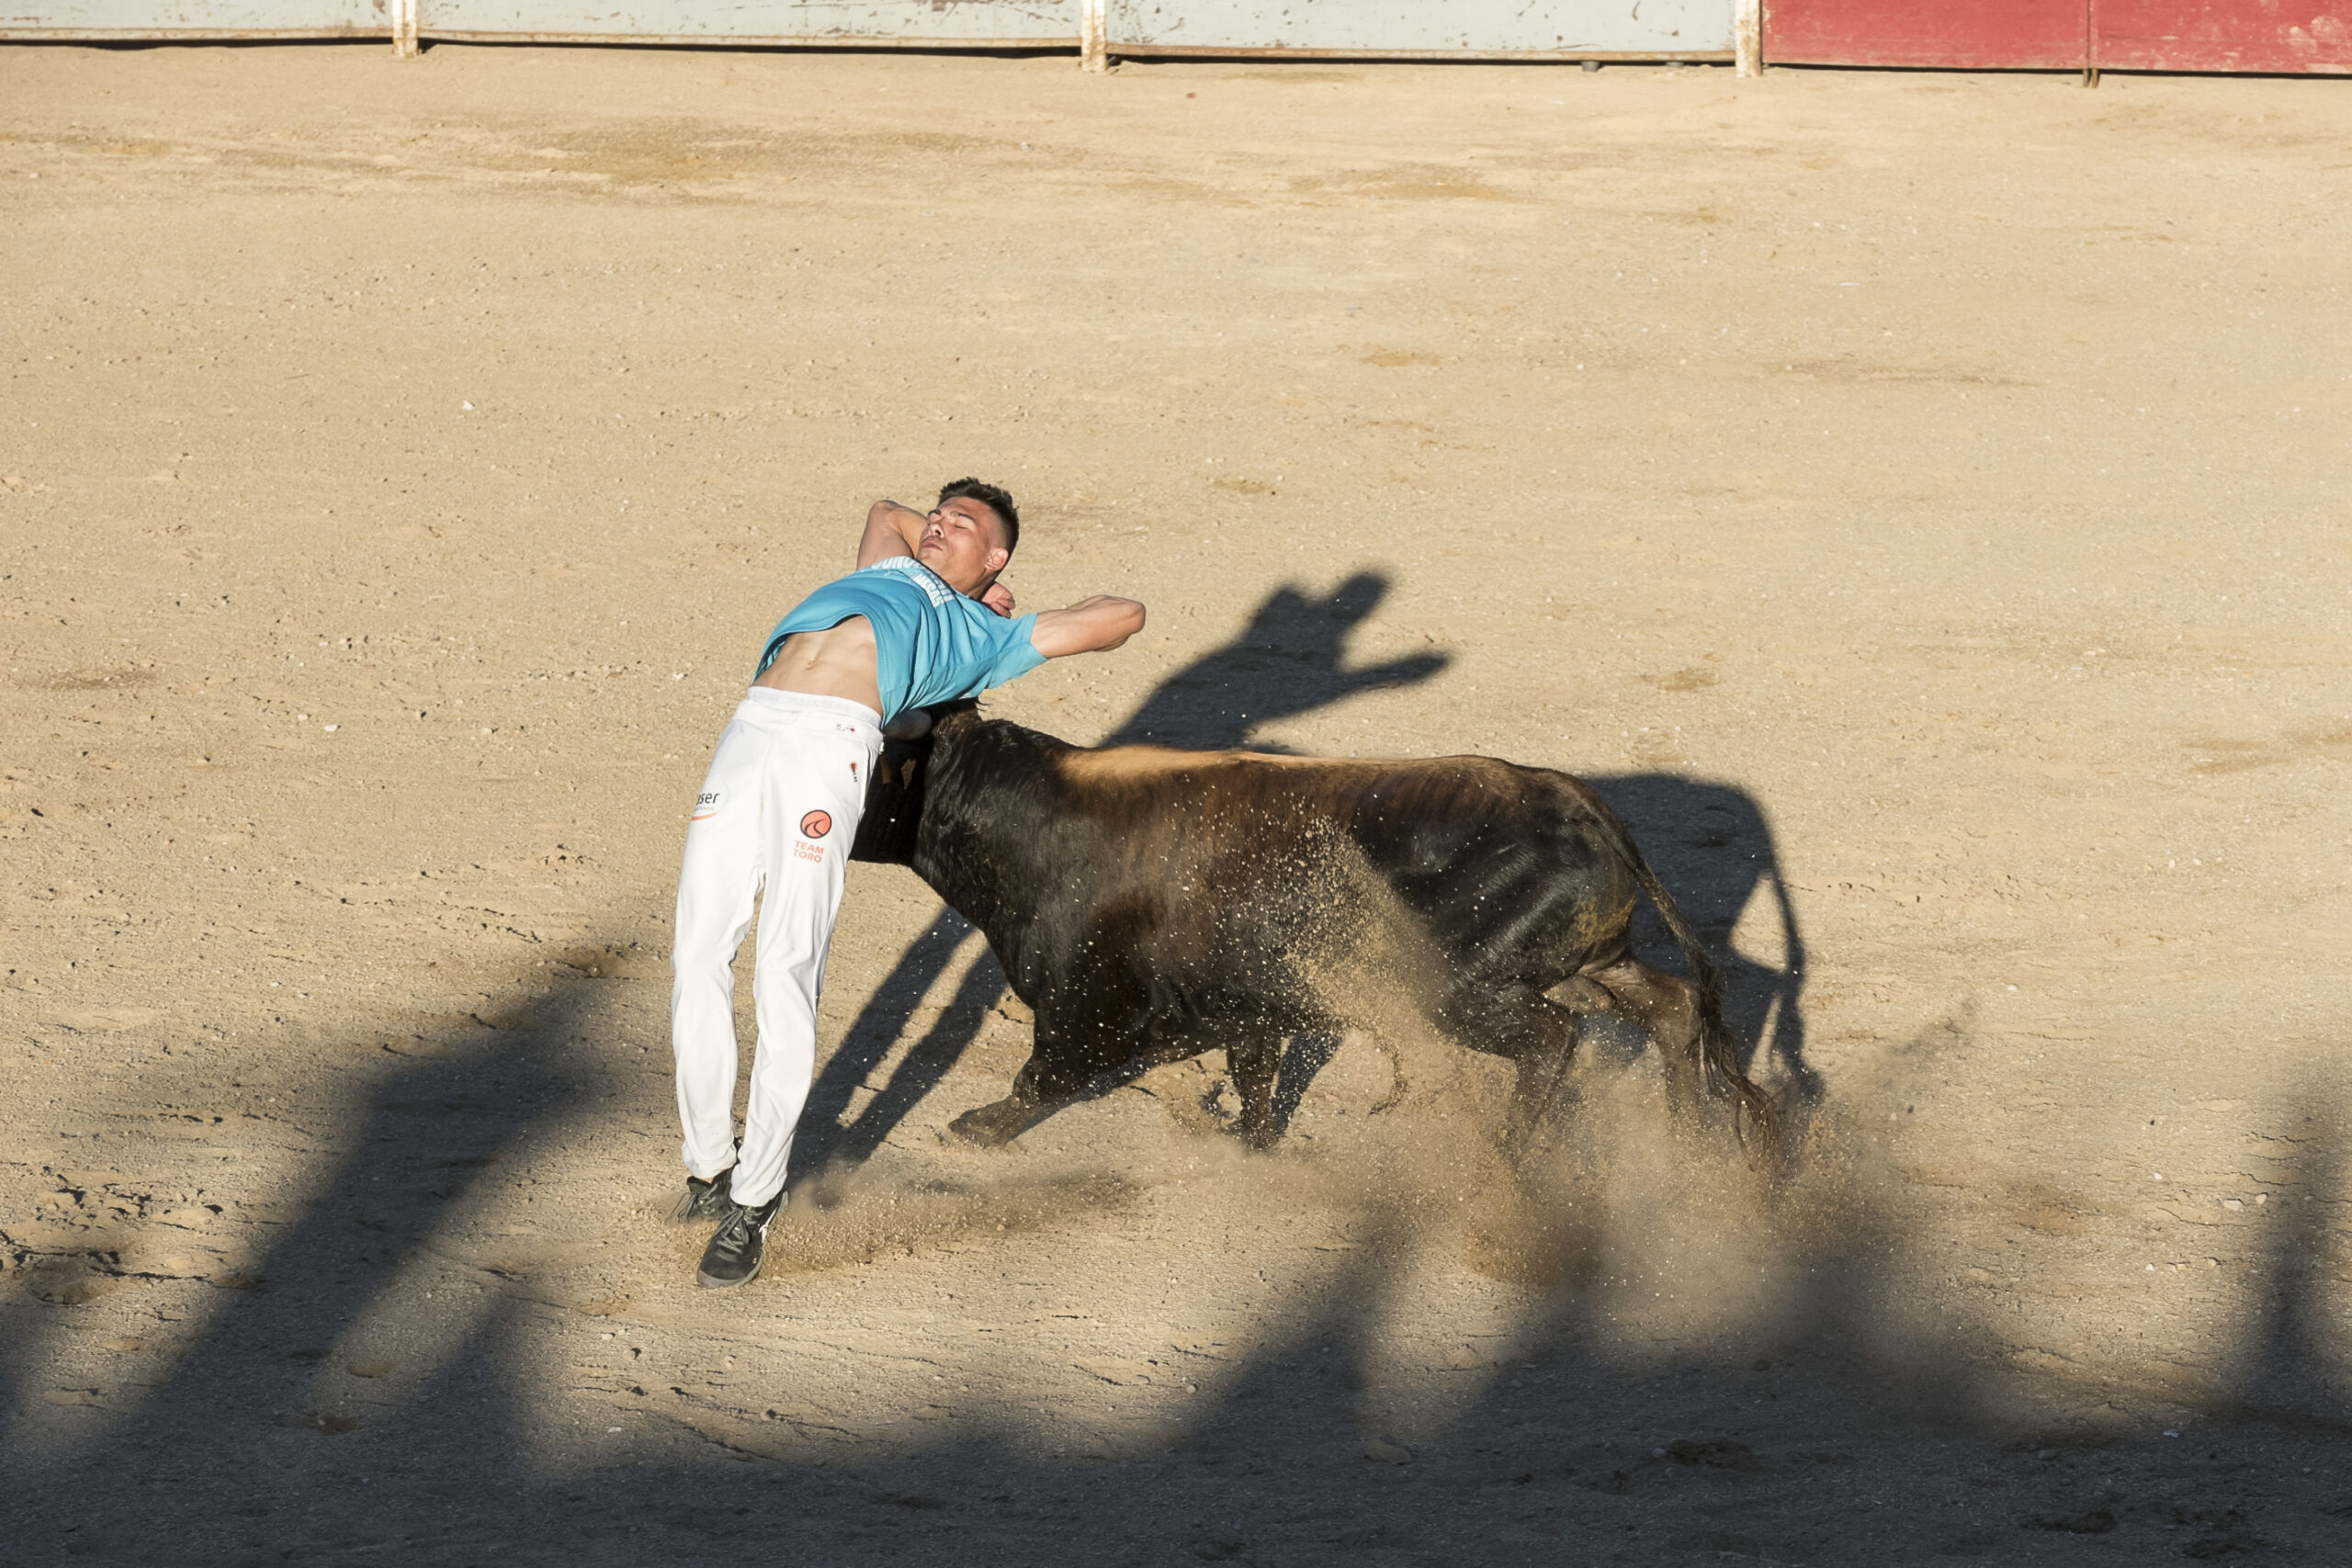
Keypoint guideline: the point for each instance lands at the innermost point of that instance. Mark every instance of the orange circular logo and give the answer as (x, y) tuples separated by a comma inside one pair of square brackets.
[(816, 825)]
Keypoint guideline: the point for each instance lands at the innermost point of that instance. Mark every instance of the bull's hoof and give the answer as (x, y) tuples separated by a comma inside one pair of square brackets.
[(1261, 1137), (990, 1126)]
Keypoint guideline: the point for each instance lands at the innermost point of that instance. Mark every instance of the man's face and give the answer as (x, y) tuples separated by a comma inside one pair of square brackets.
[(964, 542)]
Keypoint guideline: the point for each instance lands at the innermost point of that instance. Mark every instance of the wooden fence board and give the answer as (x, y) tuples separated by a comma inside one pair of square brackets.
[(2312, 37), (1968, 35)]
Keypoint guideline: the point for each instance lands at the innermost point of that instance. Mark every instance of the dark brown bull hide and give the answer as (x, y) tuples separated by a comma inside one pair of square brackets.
[(1149, 904)]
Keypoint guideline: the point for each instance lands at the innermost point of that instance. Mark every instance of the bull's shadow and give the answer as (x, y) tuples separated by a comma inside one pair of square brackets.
[(1291, 658), (1713, 845)]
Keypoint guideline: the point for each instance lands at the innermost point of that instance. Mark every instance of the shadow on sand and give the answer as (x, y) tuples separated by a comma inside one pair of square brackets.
[(1852, 1425), (1859, 1421)]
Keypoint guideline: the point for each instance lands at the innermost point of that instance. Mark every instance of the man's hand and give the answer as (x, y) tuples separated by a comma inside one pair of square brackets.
[(998, 597), (1091, 625)]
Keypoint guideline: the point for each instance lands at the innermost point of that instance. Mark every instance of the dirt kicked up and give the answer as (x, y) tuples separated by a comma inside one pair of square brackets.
[(1917, 502)]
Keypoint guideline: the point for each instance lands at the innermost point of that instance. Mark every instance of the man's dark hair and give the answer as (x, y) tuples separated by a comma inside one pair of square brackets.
[(989, 496)]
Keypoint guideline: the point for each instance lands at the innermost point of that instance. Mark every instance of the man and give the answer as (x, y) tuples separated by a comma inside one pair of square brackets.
[(922, 620)]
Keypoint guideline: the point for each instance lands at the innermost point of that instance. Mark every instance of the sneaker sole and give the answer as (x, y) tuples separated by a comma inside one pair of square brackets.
[(704, 1281)]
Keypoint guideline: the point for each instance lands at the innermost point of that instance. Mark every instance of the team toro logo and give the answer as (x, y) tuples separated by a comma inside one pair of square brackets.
[(816, 825)]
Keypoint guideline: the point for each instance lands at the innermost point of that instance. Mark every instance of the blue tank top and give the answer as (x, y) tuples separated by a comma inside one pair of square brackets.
[(931, 643)]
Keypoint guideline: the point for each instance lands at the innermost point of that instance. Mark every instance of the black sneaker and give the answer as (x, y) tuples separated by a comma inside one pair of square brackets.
[(706, 1199), (733, 1255)]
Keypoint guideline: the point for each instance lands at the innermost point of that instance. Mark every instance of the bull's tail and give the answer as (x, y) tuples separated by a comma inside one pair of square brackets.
[(1755, 1121)]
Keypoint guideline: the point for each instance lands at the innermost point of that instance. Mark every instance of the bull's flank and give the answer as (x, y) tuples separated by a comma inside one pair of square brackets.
[(1149, 904)]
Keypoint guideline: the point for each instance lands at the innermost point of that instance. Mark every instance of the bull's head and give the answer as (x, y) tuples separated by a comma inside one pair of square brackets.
[(886, 833)]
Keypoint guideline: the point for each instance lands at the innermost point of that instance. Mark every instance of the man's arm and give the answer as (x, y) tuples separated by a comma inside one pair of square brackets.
[(1091, 625), (890, 530)]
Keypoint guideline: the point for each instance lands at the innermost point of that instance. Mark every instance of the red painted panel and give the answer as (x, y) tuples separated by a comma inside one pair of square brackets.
[(2223, 35), (1955, 34)]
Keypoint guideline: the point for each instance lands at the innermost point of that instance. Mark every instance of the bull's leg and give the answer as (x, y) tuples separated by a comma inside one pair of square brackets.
[(1665, 1007), (1253, 1064), (1538, 1034), (996, 1125), (1052, 1077)]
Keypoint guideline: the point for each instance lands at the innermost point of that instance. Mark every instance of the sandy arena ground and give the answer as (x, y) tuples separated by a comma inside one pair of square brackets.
[(1918, 500)]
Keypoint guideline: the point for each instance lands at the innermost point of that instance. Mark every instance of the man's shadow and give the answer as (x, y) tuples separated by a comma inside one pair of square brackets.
[(1291, 659)]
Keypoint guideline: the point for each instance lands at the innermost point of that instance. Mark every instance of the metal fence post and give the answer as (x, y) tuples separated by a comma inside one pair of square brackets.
[(1747, 36), (1093, 35), (404, 28)]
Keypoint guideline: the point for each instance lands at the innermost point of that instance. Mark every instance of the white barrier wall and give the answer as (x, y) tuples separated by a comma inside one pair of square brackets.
[(1655, 29), (195, 19), (1039, 24), (1651, 30)]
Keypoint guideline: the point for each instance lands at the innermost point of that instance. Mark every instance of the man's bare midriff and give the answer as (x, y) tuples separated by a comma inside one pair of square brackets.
[(836, 662)]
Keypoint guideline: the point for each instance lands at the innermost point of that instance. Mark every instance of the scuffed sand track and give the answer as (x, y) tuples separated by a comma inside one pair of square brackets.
[(1916, 501)]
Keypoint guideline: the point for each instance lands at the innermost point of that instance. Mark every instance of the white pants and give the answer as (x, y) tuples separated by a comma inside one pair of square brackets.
[(774, 820)]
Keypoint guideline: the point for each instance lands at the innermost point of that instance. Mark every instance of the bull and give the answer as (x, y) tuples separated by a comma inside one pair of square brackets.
[(1150, 904)]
